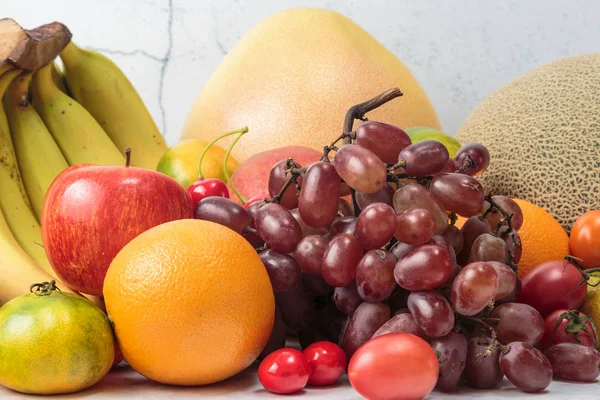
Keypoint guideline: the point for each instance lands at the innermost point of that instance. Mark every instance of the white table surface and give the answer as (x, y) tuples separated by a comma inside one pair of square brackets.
[(124, 383)]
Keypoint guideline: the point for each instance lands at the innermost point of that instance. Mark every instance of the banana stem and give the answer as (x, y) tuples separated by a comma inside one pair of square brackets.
[(215, 140), (226, 173)]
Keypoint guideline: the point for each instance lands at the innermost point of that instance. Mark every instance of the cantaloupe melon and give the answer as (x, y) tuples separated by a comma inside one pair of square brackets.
[(543, 134), (292, 78)]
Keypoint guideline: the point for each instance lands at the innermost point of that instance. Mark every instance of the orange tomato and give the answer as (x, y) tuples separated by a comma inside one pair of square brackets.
[(585, 239)]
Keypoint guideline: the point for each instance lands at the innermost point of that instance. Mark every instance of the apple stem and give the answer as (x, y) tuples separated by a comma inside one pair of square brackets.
[(127, 156), (215, 140), (241, 133)]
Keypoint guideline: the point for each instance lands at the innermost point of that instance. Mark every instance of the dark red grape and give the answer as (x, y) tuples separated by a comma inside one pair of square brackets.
[(338, 266), (343, 225), (507, 279), (360, 168), (319, 197), (222, 211), (385, 140), (413, 196), (283, 270), (307, 230), (309, 253), (480, 156), (345, 209), (452, 350), (365, 321), (454, 237), (297, 308), (432, 312), (345, 190), (384, 195), (474, 288), (512, 296), (314, 285), (518, 323), (403, 322), (510, 206), (346, 298), (278, 227), (399, 249), (482, 368), (574, 362), (471, 229), (375, 275), (376, 225), (415, 226), (450, 166), (278, 335), (424, 267), (488, 247), (424, 158), (277, 179), (526, 367), (458, 193)]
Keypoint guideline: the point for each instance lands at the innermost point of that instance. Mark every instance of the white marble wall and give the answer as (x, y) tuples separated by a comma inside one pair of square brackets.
[(460, 50)]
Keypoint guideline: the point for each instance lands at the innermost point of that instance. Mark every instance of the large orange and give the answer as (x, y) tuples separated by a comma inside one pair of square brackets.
[(191, 302), (542, 237)]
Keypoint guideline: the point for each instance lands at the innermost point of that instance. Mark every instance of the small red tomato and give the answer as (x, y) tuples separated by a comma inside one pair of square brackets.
[(327, 363), (207, 187), (574, 327), (552, 286), (585, 239), (284, 371), (396, 366), (255, 198)]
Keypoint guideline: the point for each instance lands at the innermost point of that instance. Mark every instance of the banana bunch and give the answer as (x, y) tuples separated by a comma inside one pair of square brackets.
[(50, 120)]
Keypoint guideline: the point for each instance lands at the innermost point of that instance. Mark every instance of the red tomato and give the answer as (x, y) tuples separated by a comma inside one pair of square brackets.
[(284, 371), (552, 286), (395, 366), (327, 363), (585, 239), (571, 324)]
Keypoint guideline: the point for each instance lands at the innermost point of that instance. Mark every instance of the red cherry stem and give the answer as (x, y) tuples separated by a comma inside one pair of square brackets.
[(215, 140), (127, 156), (240, 133)]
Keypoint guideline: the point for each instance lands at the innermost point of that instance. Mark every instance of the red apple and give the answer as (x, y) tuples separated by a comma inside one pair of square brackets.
[(252, 176), (90, 212)]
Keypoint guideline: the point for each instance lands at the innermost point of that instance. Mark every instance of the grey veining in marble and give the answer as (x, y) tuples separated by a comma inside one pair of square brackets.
[(460, 50)]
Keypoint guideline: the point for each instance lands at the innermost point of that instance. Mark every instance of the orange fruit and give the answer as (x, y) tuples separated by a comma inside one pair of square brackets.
[(543, 238), (191, 303)]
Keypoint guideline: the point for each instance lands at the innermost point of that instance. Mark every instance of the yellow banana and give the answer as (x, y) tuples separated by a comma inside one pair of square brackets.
[(39, 157), (4, 67), (58, 78), (80, 138), (104, 90)]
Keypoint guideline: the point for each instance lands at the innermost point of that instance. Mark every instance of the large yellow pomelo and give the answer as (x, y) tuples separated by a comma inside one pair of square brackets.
[(292, 78)]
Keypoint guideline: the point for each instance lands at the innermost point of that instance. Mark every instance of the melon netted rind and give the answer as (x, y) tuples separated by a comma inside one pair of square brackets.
[(543, 133)]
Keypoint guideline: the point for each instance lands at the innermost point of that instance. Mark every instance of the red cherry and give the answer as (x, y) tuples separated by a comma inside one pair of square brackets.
[(284, 371), (255, 198), (327, 363), (207, 187)]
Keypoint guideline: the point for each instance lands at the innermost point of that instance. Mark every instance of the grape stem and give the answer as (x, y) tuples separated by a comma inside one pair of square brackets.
[(469, 162), (332, 146), (481, 322), (508, 219), (295, 170)]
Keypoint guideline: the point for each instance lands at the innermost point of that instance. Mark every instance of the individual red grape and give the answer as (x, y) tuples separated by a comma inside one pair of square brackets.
[(360, 168), (507, 279), (568, 326), (474, 288), (278, 335), (454, 237), (384, 195), (424, 158), (424, 267), (432, 312), (222, 211), (343, 225), (512, 296), (346, 298), (399, 249), (319, 197), (458, 193), (376, 225), (518, 323), (488, 247), (284, 371), (574, 362), (307, 230), (338, 266), (327, 363), (278, 227), (364, 322), (526, 367), (482, 367), (480, 156), (375, 275), (315, 285), (345, 209), (510, 206), (452, 350), (385, 140), (309, 253), (513, 243), (404, 322), (277, 179), (471, 229), (414, 195), (415, 226), (256, 199), (297, 308), (284, 272), (450, 166)]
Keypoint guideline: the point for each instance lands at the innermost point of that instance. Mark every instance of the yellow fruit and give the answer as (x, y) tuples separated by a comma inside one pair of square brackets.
[(420, 133), (543, 135), (53, 342), (292, 79), (542, 237), (591, 305), (180, 162), (191, 302)]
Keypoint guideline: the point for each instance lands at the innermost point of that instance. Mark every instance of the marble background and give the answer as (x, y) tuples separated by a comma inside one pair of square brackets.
[(460, 50)]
